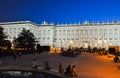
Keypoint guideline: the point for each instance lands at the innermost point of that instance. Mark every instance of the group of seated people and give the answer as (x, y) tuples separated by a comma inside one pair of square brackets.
[(71, 52), (35, 64), (69, 70), (75, 51)]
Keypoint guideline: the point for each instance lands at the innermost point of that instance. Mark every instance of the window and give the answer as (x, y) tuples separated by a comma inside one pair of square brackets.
[(105, 38), (48, 38), (64, 39), (96, 39), (55, 39), (43, 38), (110, 34), (115, 33), (76, 38), (68, 38), (72, 38), (115, 38), (110, 38)]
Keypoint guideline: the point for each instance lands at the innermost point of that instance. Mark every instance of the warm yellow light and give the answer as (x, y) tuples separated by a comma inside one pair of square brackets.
[(71, 42)]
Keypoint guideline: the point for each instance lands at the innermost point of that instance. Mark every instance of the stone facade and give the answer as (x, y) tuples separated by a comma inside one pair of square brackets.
[(102, 34)]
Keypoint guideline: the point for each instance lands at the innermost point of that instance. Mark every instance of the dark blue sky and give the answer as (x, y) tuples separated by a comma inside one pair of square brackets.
[(59, 11)]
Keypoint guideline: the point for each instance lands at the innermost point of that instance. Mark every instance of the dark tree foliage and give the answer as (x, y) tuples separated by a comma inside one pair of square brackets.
[(2, 36), (25, 39), (7, 44)]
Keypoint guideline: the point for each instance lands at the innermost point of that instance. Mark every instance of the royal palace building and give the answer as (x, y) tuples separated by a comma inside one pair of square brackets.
[(100, 34)]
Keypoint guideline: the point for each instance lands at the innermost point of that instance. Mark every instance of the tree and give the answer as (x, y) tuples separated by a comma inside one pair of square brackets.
[(7, 44), (2, 36), (25, 39)]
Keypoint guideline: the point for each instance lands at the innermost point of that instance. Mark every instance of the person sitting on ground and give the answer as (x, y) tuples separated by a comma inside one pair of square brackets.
[(116, 58), (60, 68), (68, 70), (73, 71), (35, 64), (47, 67)]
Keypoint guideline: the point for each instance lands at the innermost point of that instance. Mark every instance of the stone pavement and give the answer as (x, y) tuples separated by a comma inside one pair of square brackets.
[(87, 65), (95, 66)]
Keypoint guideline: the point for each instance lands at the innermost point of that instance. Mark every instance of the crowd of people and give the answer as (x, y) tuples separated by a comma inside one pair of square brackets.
[(75, 51)]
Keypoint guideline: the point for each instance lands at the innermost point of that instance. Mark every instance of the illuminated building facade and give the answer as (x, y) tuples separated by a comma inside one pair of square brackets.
[(100, 34)]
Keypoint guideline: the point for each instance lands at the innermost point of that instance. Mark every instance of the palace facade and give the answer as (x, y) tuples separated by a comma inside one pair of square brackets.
[(100, 34)]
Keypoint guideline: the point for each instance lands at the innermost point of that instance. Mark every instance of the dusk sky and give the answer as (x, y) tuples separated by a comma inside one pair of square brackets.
[(59, 11)]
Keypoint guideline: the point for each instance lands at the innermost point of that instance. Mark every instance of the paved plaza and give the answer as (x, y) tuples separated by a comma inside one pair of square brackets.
[(87, 65)]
